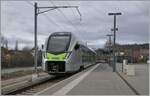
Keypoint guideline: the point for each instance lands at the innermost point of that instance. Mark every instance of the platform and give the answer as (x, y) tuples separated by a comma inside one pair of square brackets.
[(140, 81), (96, 80)]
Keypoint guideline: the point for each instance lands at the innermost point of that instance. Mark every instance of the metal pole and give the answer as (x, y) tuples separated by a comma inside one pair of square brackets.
[(114, 41), (114, 50), (110, 49), (35, 36), (122, 66)]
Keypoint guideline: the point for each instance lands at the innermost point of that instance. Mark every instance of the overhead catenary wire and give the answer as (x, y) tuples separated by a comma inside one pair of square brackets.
[(61, 13), (79, 14), (74, 12), (71, 8), (48, 17), (29, 3), (68, 20), (81, 27), (65, 17)]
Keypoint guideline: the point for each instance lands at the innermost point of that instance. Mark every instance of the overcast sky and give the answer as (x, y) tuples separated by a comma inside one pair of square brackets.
[(17, 19)]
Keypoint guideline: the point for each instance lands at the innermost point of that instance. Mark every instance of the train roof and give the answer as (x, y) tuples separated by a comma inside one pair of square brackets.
[(61, 33), (92, 50), (83, 44), (87, 48)]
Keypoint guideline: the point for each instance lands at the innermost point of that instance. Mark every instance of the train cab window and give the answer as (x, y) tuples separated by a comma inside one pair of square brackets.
[(58, 43)]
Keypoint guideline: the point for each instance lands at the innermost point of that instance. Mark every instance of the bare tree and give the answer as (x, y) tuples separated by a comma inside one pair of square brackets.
[(4, 42)]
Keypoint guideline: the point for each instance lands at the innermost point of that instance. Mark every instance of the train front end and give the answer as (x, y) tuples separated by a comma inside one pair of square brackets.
[(55, 55)]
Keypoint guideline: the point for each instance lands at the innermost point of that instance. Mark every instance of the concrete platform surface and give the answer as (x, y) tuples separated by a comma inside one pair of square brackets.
[(140, 81), (97, 80)]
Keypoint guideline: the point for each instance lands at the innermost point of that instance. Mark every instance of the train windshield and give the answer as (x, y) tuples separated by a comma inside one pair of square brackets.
[(58, 43)]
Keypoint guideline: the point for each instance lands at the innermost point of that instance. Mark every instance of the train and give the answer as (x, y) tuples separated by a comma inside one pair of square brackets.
[(64, 53)]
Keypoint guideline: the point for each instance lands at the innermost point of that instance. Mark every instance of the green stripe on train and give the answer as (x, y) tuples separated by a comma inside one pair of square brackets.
[(58, 57)]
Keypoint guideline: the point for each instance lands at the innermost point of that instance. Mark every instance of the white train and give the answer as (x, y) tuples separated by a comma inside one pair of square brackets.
[(63, 53)]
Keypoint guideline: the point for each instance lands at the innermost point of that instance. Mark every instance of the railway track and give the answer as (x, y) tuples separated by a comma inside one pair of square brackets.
[(30, 90)]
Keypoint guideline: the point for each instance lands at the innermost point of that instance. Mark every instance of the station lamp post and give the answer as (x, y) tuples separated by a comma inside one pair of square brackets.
[(114, 41)]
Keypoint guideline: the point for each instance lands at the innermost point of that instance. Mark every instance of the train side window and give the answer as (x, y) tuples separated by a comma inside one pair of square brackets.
[(77, 46)]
